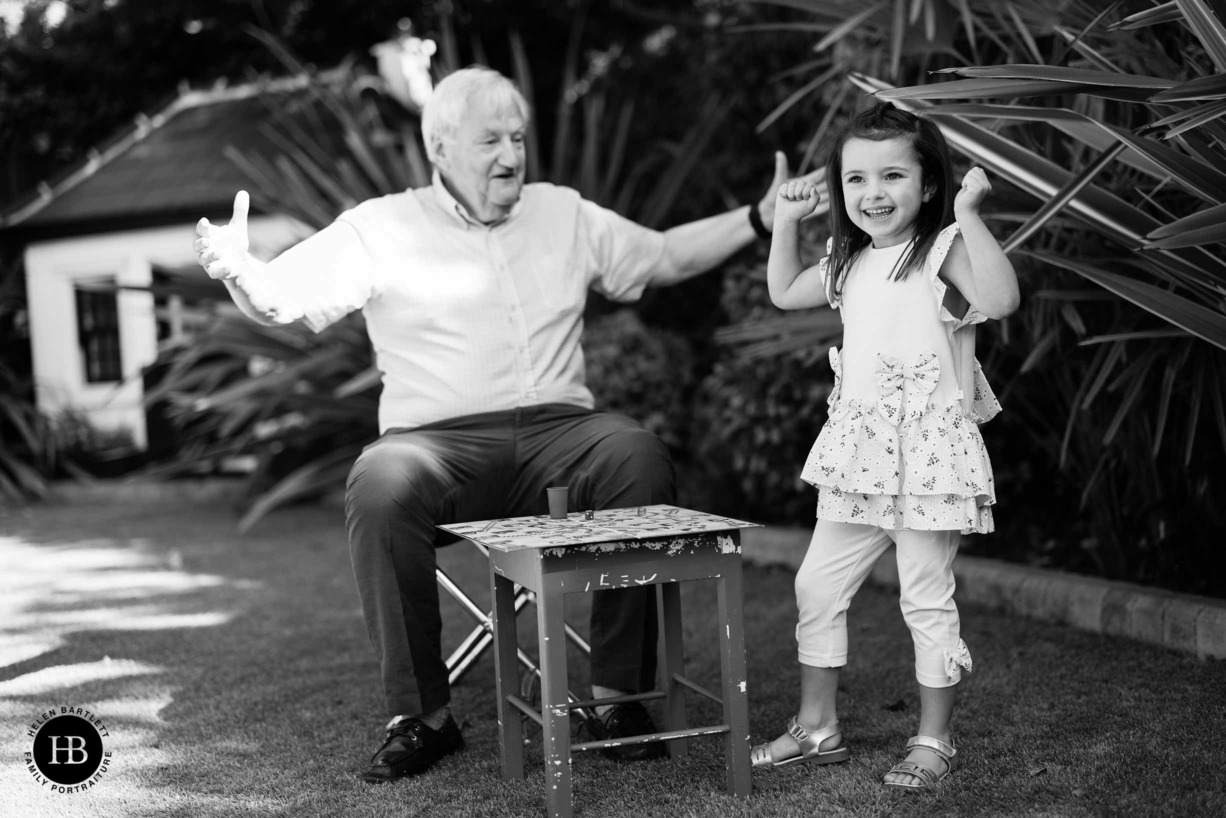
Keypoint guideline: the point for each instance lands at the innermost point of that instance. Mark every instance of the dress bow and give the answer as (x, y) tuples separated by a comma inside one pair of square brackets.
[(836, 366), (899, 384)]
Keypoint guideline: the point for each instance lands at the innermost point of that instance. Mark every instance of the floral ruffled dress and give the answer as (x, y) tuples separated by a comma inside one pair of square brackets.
[(903, 449)]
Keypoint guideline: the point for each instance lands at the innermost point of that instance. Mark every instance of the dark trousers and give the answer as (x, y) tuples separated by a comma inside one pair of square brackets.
[(486, 466)]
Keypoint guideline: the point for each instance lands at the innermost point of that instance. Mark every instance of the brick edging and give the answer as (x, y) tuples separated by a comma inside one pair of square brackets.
[(1182, 622), (139, 488)]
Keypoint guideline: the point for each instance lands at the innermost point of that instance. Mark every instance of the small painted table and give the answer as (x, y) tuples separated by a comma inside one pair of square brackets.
[(658, 545)]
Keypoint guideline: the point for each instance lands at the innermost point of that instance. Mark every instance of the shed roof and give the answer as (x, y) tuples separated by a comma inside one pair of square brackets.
[(164, 168)]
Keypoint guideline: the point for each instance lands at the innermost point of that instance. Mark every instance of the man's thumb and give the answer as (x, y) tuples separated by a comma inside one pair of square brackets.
[(242, 202), (781, 167)]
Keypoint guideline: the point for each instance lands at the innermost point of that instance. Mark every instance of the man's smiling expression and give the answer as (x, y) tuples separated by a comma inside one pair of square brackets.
[(483, 163)]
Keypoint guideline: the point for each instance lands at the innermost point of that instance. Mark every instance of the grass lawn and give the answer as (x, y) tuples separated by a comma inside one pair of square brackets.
[(235, 678)]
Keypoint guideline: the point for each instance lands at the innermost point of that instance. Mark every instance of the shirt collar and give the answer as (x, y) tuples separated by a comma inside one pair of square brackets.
[(453, 207)]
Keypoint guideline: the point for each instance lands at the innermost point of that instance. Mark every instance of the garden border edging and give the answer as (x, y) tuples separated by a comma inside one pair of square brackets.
[(1182, 622)]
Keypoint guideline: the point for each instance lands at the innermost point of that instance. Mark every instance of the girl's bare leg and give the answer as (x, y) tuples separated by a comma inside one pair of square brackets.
[(819, 687), (936, 713)]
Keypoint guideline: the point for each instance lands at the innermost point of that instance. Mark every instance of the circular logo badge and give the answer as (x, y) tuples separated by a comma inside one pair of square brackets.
[(68, 754)]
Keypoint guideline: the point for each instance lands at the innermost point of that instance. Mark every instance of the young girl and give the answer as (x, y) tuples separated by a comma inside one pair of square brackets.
[(912, 267)]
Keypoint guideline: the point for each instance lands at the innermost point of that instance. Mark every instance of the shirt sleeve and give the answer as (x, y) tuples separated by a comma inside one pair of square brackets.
[(324, 277), (622, 254), (941, 290)]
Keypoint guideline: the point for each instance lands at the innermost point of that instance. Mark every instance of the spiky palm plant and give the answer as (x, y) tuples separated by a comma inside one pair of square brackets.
[(1108, 130), (28, 450)]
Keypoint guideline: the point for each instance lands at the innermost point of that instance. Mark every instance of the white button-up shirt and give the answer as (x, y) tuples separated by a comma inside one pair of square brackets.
[(465, 317)]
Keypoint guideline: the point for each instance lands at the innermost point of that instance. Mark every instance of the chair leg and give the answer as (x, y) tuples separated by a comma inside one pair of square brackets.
[(469, 651), (671, 661), (732, 661), (510, 725)]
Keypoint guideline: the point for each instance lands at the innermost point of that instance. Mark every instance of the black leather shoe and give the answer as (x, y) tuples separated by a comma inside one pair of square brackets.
[(411, 747), (620, 721)]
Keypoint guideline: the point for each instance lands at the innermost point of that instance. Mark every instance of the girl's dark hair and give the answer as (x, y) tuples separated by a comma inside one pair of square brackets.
[(881, 122)]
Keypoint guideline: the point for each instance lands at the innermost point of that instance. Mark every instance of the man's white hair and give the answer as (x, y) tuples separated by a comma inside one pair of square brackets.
[(440, 119)]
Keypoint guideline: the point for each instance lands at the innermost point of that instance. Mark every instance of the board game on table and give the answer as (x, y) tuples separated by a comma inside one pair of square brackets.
[(609, 525)]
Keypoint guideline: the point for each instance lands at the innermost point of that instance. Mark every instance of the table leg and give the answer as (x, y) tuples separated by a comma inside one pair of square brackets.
[(732, 660), (671, 661), (555, 705), (510, 722)]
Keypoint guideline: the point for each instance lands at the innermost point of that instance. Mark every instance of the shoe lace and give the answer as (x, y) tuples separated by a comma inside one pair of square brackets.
[(410, 728)]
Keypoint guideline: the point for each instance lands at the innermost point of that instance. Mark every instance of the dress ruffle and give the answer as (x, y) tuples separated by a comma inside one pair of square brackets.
[(983, 405), (916, 513), (929, 470), (957, 660)]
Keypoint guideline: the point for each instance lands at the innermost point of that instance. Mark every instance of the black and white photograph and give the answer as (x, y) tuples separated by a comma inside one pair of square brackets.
[(612, 408)]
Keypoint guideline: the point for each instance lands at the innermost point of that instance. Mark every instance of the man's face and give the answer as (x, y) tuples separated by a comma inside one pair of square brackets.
[(483, 163)]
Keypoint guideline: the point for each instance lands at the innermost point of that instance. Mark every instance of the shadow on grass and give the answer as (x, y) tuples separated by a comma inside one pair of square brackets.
[(235, 678)]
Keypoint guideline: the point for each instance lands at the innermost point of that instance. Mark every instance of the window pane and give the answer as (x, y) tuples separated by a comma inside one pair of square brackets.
[(98, 334)]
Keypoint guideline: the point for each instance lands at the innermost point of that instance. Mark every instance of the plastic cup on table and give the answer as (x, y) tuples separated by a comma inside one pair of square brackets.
[(557, 501)]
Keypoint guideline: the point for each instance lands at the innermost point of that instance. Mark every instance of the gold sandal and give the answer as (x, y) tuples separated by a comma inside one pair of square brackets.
[(810, 744), (929, 777)]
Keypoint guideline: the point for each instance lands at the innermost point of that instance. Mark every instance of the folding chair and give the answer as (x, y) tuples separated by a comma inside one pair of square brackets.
[(481, 637)]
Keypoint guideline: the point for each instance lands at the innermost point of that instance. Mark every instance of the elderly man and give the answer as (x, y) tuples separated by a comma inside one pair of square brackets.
[(473, 290)]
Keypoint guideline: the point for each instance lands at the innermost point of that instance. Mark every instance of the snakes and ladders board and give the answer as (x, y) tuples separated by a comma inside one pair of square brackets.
[(610, 525)]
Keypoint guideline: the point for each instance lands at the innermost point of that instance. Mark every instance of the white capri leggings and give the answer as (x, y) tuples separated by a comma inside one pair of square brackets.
[(839, 559)]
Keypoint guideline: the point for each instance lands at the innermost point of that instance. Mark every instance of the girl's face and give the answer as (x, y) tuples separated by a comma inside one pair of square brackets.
[(883, 188)]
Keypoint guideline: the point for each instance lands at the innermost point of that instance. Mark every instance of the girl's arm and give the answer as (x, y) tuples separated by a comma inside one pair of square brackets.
[(793, 286), (976, 265)]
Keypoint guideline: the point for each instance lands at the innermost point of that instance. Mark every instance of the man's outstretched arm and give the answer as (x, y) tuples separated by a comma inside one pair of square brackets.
[(223, 251), (694, 248)]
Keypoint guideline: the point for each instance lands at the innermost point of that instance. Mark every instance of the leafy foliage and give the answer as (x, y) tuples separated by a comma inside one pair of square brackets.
[(755, 425), (28, 451), (759, 409), (304, 404), (647, 373), (1107, 132), (67, 85), (1102, 131)]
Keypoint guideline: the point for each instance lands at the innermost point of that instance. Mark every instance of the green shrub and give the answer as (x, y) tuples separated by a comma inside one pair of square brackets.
[(1100, 126), (756, 417), (28, 454), (646, 373)]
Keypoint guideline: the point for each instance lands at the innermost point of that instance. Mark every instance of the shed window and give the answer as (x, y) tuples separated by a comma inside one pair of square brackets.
[(98, 332)]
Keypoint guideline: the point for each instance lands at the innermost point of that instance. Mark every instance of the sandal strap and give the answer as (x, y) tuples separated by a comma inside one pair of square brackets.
[(760, 756), (911, 768), (945, 751), (810, 742)]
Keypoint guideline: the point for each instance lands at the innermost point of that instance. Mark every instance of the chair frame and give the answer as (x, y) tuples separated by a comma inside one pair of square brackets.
[(481, 638)]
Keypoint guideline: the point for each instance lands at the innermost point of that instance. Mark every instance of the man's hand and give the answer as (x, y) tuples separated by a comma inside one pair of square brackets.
[(975, 188), (222, 249), (796, 200), (766, 207)]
